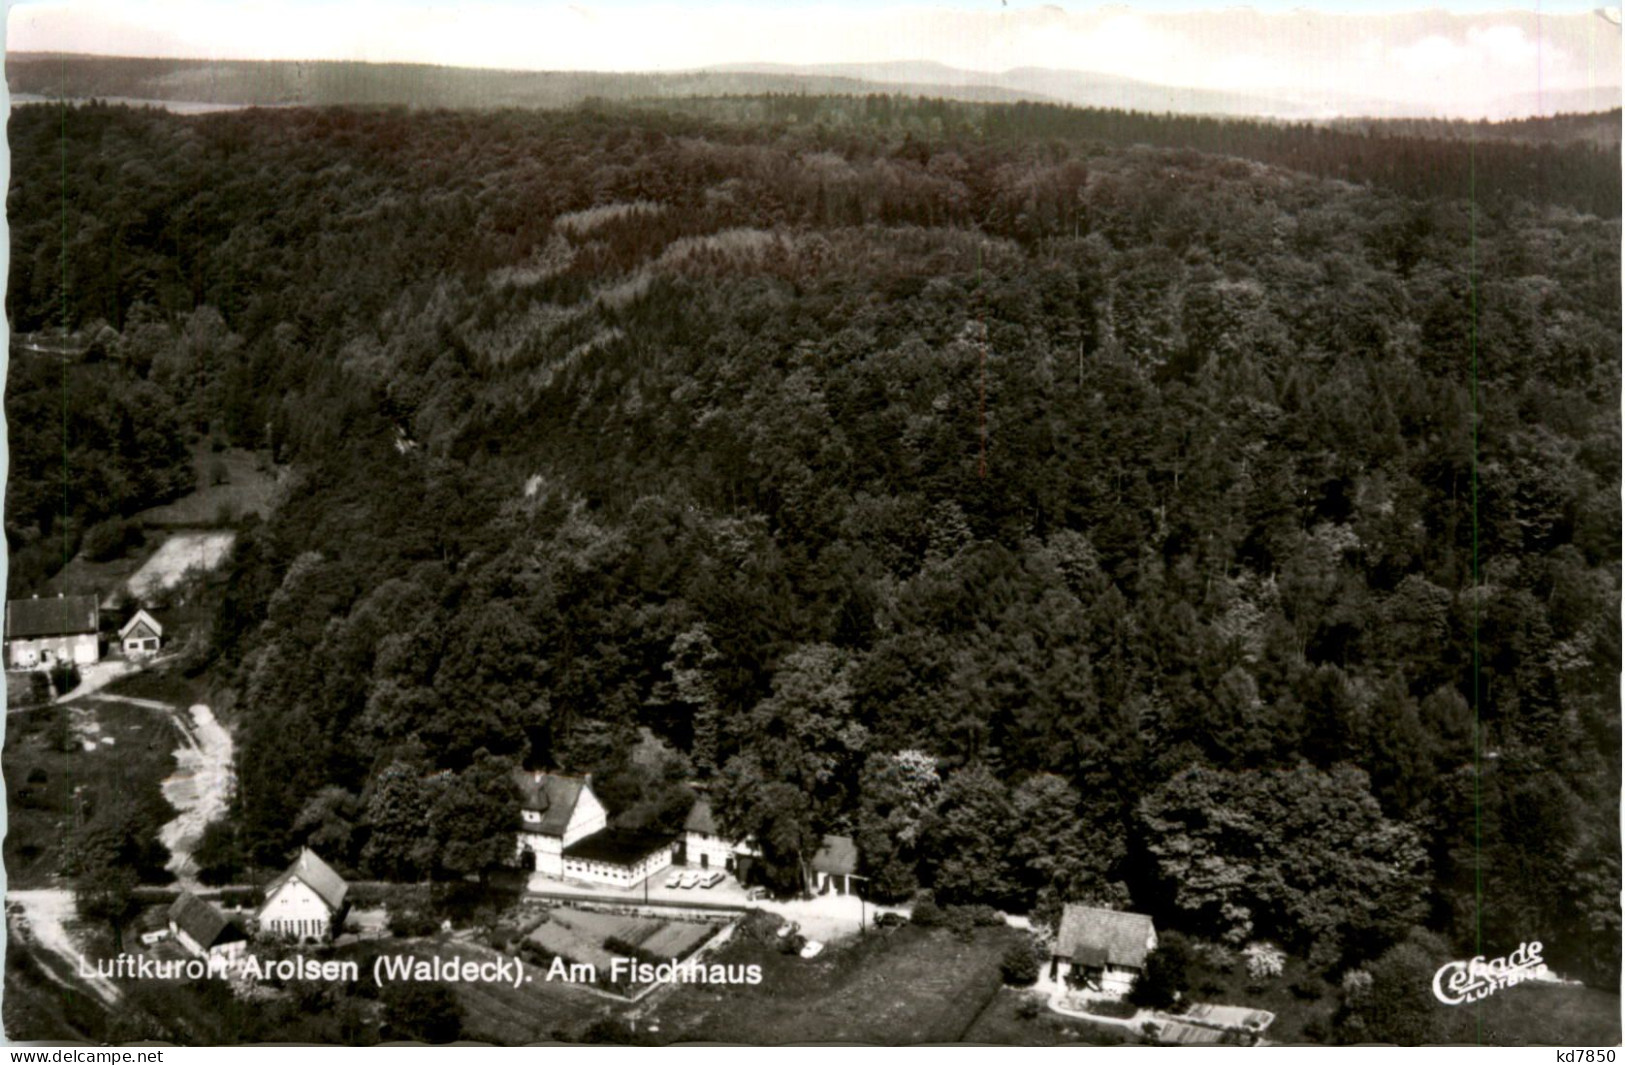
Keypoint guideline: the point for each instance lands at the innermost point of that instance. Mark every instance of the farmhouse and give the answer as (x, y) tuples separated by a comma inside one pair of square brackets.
[(42, 632), (705, 846), (562, 832), (835, 867), (141, 635), (1101, 950), (305, 902), (617, 858), (203, 930), (554, 812)]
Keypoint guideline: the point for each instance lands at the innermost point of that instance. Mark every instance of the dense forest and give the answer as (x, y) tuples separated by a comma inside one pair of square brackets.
[(1062, 517)]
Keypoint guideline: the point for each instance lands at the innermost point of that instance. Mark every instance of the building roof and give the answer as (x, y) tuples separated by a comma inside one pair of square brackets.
[(1092, 936), (551, 795), (700, 818), (207, 926), (617, 846), (141, 616), (314, 874), (66, 615), (837, 855)]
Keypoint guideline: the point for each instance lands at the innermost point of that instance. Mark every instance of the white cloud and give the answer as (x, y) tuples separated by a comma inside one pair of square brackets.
[(1430, 55)]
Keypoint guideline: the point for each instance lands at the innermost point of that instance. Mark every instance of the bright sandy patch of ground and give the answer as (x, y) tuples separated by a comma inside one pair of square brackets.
[(39, 918), (828, 918), (199, 788), (180, 553)]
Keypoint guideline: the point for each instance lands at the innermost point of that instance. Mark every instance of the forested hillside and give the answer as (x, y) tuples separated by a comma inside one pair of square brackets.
[(1063, 520)]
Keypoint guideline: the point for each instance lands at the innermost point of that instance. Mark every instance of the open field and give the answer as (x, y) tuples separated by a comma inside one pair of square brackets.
[(49, 790), (914, 985), (500, 1013), (247, 488)]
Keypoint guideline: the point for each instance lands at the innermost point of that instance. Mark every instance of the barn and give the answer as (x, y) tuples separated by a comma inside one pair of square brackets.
[(42, 632), (203, 930)]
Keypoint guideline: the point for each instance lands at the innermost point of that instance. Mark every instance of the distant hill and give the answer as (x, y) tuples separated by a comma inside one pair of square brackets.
[(250, 83), (1077, 87), (1597, 128), (201, 85)]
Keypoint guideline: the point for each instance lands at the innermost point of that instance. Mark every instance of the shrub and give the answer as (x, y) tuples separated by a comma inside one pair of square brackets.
[(61, 731), (1356, 986), (617, 945), (1020, 966), (927, 914), (1264, 960), (64, 677), (1167, 973), (108, 540), (410, 923), (1029, 1008), (959, 921), (984, 916), (1118, 1010)]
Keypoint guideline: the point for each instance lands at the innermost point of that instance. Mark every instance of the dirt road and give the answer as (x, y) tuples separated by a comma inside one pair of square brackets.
[(200, 788), (38, 920)]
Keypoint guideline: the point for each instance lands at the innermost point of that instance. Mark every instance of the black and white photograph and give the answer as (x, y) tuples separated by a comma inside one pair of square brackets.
[(948, 522)]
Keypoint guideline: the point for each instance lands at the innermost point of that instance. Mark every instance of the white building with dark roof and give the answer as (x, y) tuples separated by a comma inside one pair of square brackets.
[(42, 632), (834, 868), (1101, 950), (307, 901), (555, 811), (141, 636)]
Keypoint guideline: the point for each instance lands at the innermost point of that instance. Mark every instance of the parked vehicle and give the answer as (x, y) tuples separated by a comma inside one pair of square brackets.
[(756, 893), (889, 920), (713, 880), (675, 879), (690, 879), (812, 949)]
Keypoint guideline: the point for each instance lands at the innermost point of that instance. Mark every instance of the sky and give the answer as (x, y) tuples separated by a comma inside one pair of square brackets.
[(1451, 55)]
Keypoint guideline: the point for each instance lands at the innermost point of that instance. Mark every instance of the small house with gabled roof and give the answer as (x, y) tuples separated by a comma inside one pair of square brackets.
[(834, 868), (705, 846), (555, 811), (141, 635), (203, 930), (306, 902), (42, 632), (1101, 950)]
